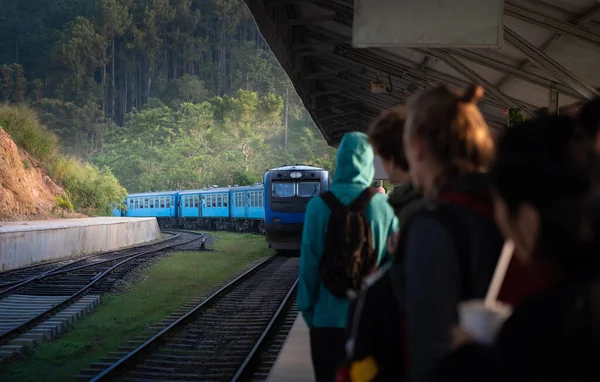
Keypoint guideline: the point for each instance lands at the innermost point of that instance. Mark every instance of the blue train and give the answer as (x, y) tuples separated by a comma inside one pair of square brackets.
[(278, 213), (290, 190)]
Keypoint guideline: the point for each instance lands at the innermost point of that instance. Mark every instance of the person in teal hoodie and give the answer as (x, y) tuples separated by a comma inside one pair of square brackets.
[(325, 314)]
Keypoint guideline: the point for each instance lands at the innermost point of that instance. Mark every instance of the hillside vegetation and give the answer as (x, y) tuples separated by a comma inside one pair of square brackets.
[(167, 93), (36, 179)]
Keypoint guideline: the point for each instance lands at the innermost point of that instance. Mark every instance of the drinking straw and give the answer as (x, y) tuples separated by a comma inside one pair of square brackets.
[(499, 273)]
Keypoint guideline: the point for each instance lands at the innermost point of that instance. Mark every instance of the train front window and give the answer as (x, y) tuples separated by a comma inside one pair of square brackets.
[(308, 189), (283, 189)]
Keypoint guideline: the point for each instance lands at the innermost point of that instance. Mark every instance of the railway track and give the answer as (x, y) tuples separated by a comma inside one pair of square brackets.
[(10, 279), (43, 305), (231, 335)]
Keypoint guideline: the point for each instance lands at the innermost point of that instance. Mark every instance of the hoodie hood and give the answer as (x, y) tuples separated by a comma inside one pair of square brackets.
[(354, 162)]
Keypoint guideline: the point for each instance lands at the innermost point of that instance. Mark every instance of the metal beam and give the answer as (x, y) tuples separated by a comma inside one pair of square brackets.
[(362, 117), (552, 101), (424, 63), (368, 98), (284, 3), (512, 9), (553, 67), (506, 68), (320, 75), (590, 13), (325, 92), (326, 43), (334, 116), (312, 53), (361, 107), (339, 104), (463, 69), (310, 20)]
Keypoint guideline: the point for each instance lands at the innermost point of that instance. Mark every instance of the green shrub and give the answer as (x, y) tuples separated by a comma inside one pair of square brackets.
[(22, 124), (91, 189), (63, 205)]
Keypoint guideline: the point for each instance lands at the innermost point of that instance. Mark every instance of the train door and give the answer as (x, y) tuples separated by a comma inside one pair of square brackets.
[(179, 202), (246, 204)]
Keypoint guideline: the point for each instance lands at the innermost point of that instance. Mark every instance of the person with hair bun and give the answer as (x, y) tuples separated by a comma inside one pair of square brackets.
[(543, 182), (449, 249)]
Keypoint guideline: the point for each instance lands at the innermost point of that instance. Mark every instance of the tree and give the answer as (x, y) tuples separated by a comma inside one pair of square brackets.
[(245, 119), (13, 83), (188, 89), (80, 47)]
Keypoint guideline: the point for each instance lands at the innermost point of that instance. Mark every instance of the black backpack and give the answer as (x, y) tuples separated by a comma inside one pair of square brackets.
[(349, 253), (376, 317)]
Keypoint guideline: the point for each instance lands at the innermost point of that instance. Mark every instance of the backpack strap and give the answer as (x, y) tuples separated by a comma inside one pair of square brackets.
[(361, 202), (333, 203)]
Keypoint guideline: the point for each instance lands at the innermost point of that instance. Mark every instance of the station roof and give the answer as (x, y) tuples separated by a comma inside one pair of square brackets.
[(551, 48)]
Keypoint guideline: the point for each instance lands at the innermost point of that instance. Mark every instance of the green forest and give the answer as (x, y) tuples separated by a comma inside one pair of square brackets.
[(165, 94)]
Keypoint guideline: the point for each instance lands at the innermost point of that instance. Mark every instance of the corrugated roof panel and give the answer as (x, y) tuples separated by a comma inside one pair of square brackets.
[(582, 58), (534, 34), (572, 6)]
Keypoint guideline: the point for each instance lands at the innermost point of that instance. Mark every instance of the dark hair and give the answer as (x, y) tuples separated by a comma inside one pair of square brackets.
[(453, 128), (548, 162), (385, 135), (589, 117)]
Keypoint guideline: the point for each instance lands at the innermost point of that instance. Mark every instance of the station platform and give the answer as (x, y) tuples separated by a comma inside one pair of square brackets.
[(25, 243), (293, 363)]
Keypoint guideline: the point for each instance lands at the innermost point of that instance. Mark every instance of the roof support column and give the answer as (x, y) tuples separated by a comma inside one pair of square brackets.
[(552, 101)]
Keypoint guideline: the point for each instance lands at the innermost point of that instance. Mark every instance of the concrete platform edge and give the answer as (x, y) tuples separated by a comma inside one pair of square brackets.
[(33, 242)]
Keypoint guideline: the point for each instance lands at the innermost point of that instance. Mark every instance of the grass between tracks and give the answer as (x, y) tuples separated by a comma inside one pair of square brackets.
[(162, 288)]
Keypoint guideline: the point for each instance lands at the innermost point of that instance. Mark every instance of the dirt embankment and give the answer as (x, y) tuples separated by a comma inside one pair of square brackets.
[(26, 191)]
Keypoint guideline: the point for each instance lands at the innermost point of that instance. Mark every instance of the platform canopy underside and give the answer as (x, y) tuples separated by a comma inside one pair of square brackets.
[(550, 60)]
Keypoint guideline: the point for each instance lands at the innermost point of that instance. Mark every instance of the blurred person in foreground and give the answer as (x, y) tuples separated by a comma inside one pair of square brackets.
[(451, 247), (542, 182), (589, 118), (386, 136)]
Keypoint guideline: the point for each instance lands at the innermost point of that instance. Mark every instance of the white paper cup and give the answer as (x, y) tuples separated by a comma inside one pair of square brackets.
[(481, 322)]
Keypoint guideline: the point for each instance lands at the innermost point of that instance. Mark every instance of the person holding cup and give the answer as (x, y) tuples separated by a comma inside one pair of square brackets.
[(542, 181)]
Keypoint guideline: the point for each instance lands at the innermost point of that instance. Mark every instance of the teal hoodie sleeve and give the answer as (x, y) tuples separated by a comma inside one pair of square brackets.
[(311, 249)]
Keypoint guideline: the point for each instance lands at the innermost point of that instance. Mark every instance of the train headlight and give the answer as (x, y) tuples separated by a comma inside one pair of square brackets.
[(276, 220), (296, 175)]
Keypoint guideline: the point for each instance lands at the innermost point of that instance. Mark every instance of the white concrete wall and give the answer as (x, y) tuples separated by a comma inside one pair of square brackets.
[(24, 243)]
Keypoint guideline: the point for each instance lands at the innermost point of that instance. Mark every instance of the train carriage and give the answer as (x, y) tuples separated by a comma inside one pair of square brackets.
[(161, 205), (288, 190), (247, 208)]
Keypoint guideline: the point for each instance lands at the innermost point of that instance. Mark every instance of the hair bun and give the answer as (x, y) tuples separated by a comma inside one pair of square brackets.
[(473, 94)]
